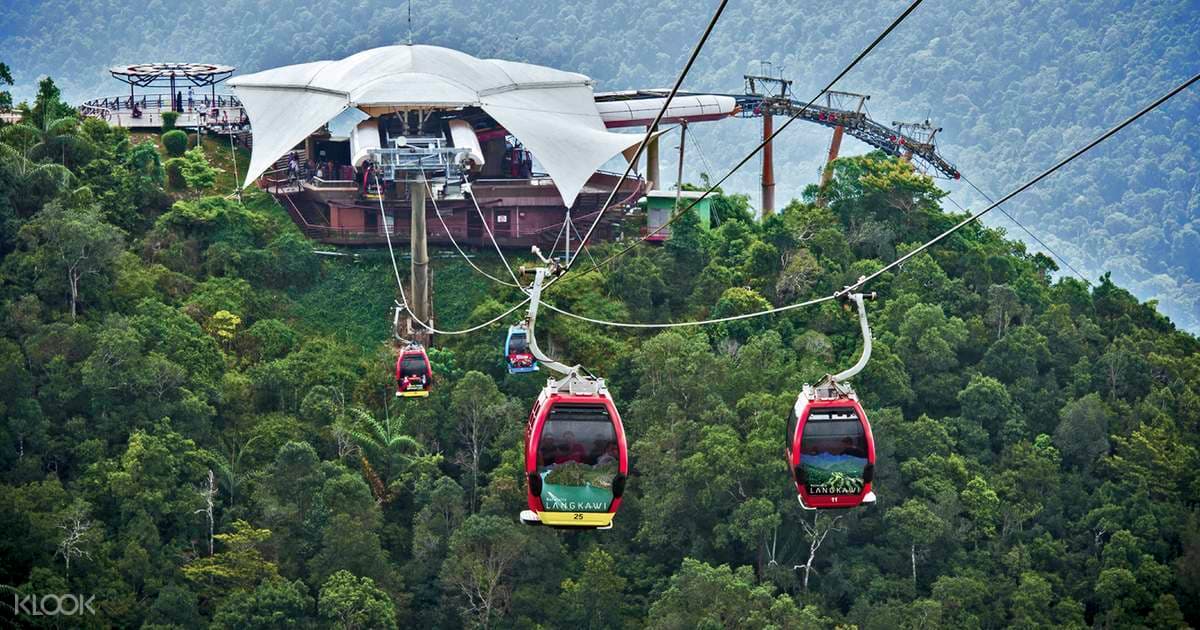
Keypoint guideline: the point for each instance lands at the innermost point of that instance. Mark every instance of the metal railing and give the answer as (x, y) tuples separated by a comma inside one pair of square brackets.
[(158, 101)]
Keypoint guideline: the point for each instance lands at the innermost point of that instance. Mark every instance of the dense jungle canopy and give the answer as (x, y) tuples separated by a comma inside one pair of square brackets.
[(198, 424), (1015, 84)]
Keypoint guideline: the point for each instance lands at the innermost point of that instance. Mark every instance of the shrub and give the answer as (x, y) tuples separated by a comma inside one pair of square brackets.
[(175, 142), (168, 120), (175, 180)]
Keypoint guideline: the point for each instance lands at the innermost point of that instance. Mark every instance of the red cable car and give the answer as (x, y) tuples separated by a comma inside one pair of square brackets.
[(830, 450), (414, 376), (576, 460)]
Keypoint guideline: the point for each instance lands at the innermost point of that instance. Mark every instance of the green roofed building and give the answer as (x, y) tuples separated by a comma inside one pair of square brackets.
[(660, 204)]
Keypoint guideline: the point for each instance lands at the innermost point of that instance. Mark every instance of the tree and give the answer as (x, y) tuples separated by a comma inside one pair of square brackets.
[(986, 403), (816, 533), (1019, 354), (929, 343), (801, 272), (239, 566), (275, 603), (597, 598), (386, 451), (477, 571), (1003, 307), (1031, 602), (47, 105), (482, 411), (703, 596), (351, 603), (75, 526), (75, 242), (741, 301), (1083, 430), (982, 507), (175, 142), (5, 96), (223, 325), (917, 525), (196, 170)]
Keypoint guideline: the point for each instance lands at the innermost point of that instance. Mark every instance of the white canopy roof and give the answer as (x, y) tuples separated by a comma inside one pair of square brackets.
[(553, 113)]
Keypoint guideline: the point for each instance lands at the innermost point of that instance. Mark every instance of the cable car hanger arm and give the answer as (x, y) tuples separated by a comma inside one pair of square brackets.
[(853, 370), (535, 294)]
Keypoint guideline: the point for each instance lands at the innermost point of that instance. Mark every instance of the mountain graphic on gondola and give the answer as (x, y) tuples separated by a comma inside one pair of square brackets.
[(834, 474)]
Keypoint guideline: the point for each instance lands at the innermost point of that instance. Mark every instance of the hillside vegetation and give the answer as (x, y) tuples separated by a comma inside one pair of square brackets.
[(198, 426)]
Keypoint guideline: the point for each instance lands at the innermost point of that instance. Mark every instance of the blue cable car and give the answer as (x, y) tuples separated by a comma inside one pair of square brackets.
[(516, 351)]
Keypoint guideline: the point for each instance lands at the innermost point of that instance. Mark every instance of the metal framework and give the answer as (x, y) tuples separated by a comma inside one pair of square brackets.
[(151, 74), (767, 95), (171, 75)]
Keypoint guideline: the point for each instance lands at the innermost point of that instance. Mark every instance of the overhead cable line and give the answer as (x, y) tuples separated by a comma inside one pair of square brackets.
[(1046, 173), (488, 229), (864, 280), (678, 213), (649, 132), (453, 242), (705, 322), (1027, 231), (404, 298)]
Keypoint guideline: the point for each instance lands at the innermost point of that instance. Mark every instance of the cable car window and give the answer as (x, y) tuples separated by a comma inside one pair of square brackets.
[(834, 451), (578, 458), (517, 345), (412, 365)]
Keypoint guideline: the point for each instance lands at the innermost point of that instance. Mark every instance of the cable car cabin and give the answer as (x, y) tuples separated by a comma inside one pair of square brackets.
[(414, 377), (576, 460), (516, 351), (830, 449)]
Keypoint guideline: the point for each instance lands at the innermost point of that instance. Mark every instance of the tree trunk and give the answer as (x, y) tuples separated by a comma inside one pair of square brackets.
[(912, 551), (74, 279), (812, 554)]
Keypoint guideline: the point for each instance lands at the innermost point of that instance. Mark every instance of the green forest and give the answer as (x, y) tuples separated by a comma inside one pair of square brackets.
[(1014, 83), (198, 425)]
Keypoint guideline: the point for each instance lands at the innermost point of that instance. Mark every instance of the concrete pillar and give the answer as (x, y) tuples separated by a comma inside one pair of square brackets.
[(653, 179), (419, 295)]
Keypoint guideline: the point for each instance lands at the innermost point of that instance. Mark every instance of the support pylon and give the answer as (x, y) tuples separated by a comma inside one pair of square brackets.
[(419, 293), (768, 166)]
